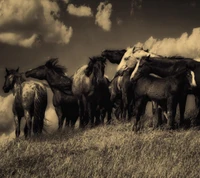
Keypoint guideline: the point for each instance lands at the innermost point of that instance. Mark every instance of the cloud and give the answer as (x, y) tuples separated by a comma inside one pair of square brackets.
[(103, 16), (6, 115), (79, 11), (17, 39), (186, 45), (32, 21)]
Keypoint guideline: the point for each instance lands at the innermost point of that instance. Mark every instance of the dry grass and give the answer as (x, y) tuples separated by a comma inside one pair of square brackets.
[(109, 151)]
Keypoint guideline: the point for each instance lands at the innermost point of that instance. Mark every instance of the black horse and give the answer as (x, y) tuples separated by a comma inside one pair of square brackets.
[(65, 103), (30, 102), (91, 88), (167, 66), (114, 56), (167, 92)]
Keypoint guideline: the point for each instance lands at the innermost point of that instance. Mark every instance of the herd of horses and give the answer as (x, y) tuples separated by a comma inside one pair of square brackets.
[(89, 95)]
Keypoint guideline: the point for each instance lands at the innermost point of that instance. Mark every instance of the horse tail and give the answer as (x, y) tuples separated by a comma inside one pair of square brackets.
[(40, 105)]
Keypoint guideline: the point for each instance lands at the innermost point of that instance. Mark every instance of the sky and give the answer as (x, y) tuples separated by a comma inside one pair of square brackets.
[(74, 30)]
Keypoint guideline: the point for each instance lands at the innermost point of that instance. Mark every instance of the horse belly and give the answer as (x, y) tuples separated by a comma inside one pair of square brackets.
[(81, 85), (156, 92)]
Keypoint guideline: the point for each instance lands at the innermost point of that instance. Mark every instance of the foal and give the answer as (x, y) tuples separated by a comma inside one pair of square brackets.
[(167, 90)]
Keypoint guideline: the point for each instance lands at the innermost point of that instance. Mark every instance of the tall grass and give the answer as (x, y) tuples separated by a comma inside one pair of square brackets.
[(106, 151)]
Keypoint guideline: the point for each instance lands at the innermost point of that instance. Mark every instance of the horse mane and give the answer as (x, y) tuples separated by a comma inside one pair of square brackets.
[(178, 57), (91, 63), (53, 65)]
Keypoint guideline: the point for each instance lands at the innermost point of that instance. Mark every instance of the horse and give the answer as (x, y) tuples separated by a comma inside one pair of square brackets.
[(114, 56), (30, 101), (90, 86), (124, 70), (65, 103), (166, 66), (116, 96), (130, 58), (167, 92)]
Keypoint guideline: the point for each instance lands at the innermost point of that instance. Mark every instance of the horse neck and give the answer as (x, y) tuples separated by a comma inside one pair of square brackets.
[(97, 81), (17, 86), (128, 72), (162, 72), (53, 79)]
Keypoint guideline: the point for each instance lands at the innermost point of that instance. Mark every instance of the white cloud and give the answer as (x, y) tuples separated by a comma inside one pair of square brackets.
[(17, 39), (6, 114), (79, 11), (27, 20), (186, 45), (104, 11)]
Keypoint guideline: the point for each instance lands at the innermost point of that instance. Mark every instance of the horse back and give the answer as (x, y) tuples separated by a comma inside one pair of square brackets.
[(32, 92)]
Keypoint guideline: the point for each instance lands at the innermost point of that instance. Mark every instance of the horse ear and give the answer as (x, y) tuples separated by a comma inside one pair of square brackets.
[(7, 71), (133, 49), (17, 70), (91, 59)]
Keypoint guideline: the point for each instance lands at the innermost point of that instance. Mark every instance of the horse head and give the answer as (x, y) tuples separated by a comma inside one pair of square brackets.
[(41, 71), (10, 79), (114, 56), (142, 68), (38, 72), (96, 66)]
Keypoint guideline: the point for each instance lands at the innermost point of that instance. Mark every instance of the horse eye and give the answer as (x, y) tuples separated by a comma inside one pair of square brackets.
[(126, 58)]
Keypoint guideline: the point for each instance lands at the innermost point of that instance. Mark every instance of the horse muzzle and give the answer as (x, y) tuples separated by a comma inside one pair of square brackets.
[(5, 89)]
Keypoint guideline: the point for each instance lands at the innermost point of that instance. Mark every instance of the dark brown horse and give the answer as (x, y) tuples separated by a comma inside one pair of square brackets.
[(167, 66), (30, 102), (65, 103), (114, 56), (167, 92)]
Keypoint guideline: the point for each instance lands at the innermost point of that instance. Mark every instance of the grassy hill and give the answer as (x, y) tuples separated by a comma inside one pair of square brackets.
[(106, 151)]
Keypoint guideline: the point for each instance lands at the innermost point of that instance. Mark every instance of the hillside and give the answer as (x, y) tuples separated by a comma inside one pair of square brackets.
[(106, 151)]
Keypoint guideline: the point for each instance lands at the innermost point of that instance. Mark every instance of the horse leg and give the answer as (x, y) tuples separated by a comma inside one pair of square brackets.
[(91, 109), (28, 126), (67, 121), (140, 107), (182, 105), (97, 115), (73, 122), (17, 125), (171, 111), (60, 117), (103, 115), (196, 121), (109, 113), (85, 118), (125, 104), (130, 106), (81, 112)]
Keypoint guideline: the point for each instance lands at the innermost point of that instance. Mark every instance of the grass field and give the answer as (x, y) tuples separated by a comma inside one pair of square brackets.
[(105, 151)]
